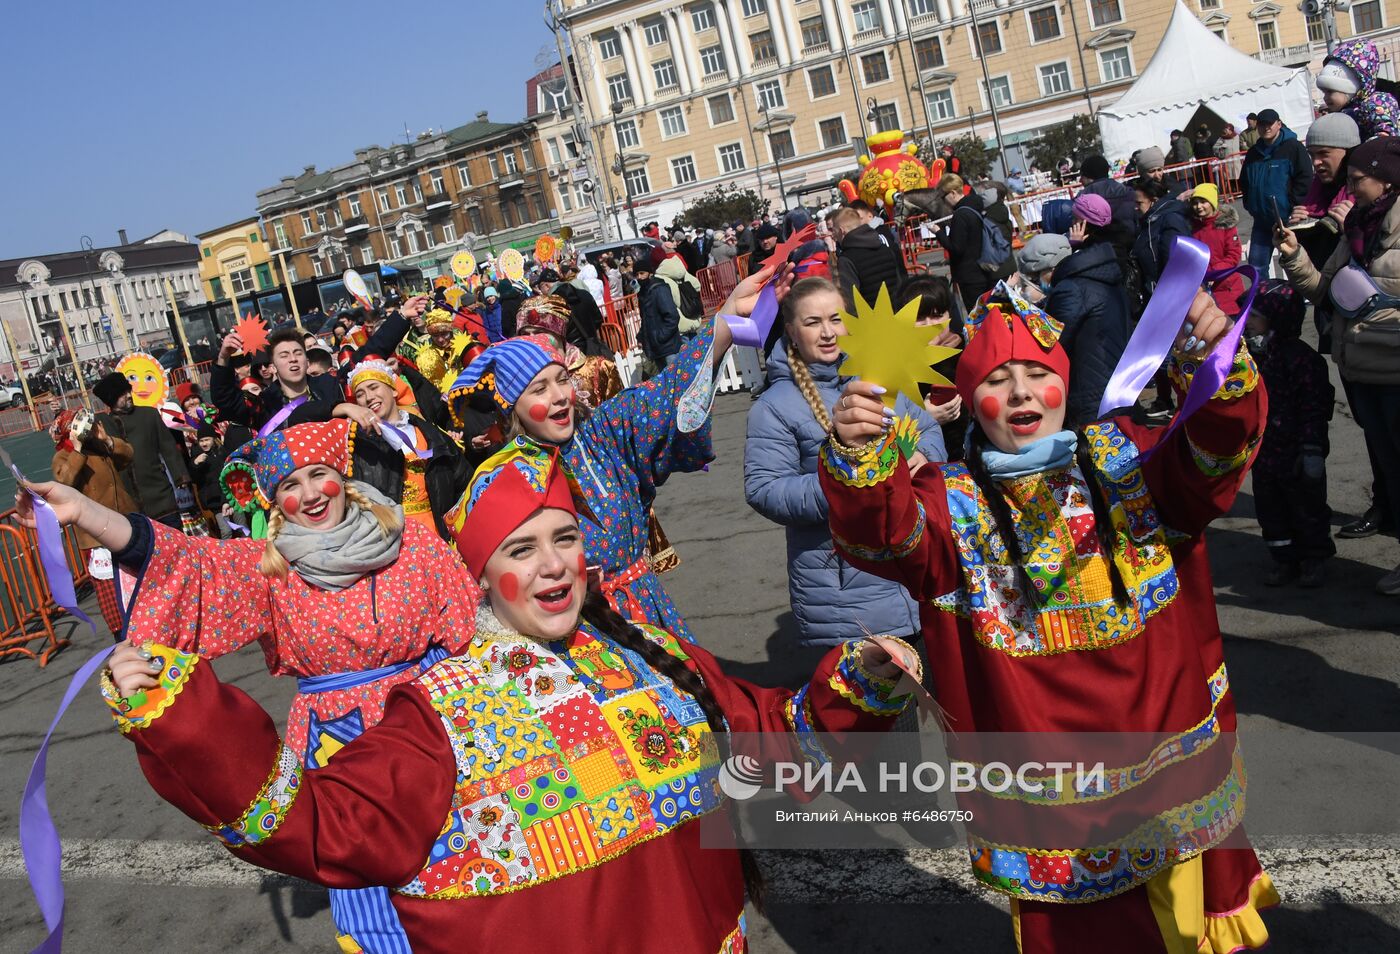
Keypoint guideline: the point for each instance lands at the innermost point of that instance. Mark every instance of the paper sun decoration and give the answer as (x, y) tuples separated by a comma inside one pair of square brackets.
[(252, 331), (545, 247), (149, 386), (887, 348)]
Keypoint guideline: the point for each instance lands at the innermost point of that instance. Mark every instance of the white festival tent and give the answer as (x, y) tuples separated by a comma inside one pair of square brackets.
[(1194, 68)]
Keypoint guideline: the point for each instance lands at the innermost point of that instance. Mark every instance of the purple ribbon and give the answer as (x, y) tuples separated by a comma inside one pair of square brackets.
[(38, 836), (1187, 267), (405, 442), (275, 421), (752, 332)]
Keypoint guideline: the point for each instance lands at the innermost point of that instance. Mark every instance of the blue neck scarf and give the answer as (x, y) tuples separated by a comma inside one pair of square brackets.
[(1048, 453)]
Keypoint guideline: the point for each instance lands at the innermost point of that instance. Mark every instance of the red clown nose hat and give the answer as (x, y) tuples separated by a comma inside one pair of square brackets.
[(1005, 327)]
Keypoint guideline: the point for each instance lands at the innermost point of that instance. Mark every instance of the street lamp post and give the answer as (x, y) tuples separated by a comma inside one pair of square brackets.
[(777, 165), (86, 244), (987, 82), (621, 170)]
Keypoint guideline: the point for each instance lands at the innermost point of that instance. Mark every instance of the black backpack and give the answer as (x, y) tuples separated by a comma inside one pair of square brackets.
[(691, 305)]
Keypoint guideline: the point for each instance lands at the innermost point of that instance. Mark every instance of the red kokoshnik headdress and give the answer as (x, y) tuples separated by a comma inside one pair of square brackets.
[(1005, 327)]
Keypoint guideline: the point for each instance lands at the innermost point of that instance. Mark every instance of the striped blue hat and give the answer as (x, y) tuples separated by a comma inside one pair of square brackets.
[(507, 368)]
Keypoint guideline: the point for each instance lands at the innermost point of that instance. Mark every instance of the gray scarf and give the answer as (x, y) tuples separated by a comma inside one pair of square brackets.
[(335, 559)]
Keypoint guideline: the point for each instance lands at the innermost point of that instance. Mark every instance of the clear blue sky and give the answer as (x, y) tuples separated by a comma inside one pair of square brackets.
[(146, 115)]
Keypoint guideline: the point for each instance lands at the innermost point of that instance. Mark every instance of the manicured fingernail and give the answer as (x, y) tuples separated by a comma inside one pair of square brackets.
[(1188, 327), (1190, 343), (877, 390), (1201, 346)]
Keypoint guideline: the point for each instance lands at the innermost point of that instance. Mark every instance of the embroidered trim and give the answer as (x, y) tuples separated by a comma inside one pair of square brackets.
[(1093, 874), (735, 942), (1214, 465), (797, 712), (858, 686), (1169, 751), (884, 554), (1242, 379), (140, 710), (865, 467), (269, 808)]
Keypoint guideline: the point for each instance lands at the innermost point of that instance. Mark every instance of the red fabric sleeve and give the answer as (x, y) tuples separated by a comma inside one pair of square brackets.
[(367, 818), (889, 524), (1195, 477)]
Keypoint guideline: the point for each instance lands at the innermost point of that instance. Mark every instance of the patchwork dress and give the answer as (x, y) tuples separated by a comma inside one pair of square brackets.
[(620, 455), (347, 649), (525, 795), (1142, 685)]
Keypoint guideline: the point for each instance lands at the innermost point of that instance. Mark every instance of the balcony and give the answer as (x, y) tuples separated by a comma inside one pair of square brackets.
[(865, 36), (437, 200), (357, 224), (510, 180), (768, 59), (1289, 55), (817, 46)]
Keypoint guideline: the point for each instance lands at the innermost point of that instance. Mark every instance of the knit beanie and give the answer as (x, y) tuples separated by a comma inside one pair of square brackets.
[(1209, 192), (1041, 253), (1378, 158), (1337, 130), (1093, 209), (112, 386), (1336, 76), (1095, 168), (1151, 159)]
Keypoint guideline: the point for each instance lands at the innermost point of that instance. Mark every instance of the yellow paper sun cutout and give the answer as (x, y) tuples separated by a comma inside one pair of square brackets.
[(887, 348)]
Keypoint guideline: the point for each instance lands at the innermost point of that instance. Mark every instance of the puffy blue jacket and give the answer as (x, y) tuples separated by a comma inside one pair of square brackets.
[(1166, 218), (1088, 296), (1275, 176), (831, 600)]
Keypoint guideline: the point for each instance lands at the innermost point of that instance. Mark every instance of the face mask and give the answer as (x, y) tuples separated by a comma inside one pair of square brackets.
[(1044, 286)]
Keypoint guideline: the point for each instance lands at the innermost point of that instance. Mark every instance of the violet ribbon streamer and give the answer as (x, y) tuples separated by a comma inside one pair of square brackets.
[(275, 421), (402, 441), (1156, 332), (752, 332), (38, 836)]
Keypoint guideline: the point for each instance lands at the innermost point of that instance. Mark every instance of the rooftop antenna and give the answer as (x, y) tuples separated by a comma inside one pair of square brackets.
[(407, 136)]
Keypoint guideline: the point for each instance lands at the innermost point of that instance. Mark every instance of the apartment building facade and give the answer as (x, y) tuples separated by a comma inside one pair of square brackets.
[(549, 104), (749, 92), (480, 187)]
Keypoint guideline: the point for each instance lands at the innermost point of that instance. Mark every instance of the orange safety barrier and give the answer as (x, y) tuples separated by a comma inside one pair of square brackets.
[(27, 607)]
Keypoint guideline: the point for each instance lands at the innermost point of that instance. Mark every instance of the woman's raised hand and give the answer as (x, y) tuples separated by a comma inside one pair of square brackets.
[(1204, 326), (66, 503), (134, 669), (860, 414), (744, 297)]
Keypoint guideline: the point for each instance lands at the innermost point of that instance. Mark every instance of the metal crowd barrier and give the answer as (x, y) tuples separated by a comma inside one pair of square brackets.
[(27, 607)]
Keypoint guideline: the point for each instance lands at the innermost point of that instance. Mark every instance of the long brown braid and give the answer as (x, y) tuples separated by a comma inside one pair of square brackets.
[(801, 375), (275, 565), (610, 624)]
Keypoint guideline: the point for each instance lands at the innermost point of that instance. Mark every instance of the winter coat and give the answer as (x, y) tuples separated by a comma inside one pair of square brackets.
[(154, 455), (1275, 176), (1166, 218), (512, 296), (832, 601), (661, 320), (206, 475), (1376, 113), (377, 463), (962, 239), (1221, 236), (1121, 200), (584, 317), (491, 318), (722, 252), (1088, 295), (865, 261), (95, 473), (1300, 402), (1180, 151), (1366, 348)]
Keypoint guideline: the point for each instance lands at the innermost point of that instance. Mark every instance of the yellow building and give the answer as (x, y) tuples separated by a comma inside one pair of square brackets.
[(236, 254), (690, 95)]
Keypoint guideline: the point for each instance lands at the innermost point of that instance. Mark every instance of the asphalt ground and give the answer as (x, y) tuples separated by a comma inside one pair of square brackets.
[(1307, 664)]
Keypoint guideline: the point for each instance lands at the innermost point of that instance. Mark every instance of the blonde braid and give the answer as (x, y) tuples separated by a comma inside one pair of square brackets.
[(390, 520), (273, 563), (803, 378)]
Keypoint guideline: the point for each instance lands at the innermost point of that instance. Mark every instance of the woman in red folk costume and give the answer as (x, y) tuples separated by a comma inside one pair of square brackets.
[(343, 594), (548, 789), (1066, 590)]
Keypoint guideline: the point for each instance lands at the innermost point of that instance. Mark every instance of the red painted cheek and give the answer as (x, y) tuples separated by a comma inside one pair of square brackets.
[(290, 505), (510, 587), (1053, 397), (990, 407), (330, 489), (572, 397), (538, 412), (582, 565)]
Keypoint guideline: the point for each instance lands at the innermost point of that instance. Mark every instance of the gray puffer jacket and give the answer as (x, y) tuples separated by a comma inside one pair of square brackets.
[(833, 602)]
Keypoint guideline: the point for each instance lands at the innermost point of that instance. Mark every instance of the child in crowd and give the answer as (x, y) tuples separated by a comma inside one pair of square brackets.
[(1290, 476), (1215, 228), (1348, 84)]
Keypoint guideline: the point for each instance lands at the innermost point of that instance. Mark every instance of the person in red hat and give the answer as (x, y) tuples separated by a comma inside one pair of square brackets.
[(556, 786), (343, 594), (1067, 590)]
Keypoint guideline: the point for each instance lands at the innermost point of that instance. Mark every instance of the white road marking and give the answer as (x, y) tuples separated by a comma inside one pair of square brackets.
[(1350, 870)]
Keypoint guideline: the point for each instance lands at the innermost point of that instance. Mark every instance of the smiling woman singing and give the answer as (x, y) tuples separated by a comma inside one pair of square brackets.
[(547, 789)]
